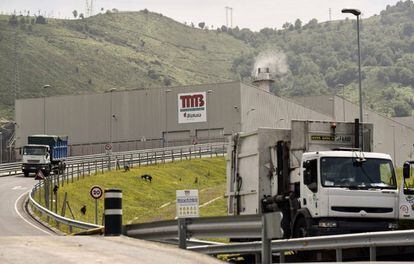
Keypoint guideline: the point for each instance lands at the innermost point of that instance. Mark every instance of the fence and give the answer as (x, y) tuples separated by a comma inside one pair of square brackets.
[(338, 243), (76, 170), (134, 157)]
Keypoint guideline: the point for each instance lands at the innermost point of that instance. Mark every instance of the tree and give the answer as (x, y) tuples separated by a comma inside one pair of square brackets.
[(75, 13), (201, 25), (298, 24), (81, 16), (40, 20)]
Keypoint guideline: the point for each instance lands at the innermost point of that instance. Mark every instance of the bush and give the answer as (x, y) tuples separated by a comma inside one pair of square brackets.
[(40, 20)]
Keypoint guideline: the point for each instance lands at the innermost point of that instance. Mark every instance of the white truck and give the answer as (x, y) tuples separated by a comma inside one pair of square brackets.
[(316, 175), (46, 153)]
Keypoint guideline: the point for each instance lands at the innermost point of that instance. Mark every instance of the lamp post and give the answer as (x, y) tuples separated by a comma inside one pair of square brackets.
[(357, 13), (166, 120), (208, 123), (111, 115), (44, 107)]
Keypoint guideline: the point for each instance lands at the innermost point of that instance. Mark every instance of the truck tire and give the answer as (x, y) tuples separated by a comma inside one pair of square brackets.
[(300, 229), (26, 174)]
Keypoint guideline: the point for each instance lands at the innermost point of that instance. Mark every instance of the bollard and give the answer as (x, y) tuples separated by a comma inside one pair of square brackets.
[(113, 212)]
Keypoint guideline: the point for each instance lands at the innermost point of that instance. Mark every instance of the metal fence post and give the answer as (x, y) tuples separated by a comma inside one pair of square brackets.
[(372, 253), (282, 258), (182, 233), (199, 151), (338, 255), (266, 245), (139, 159), (181, 154)]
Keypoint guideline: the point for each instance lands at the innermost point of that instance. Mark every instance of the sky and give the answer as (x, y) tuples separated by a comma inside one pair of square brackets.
[(253, 14)]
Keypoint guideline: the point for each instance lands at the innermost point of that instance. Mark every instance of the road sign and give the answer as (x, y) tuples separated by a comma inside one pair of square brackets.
[(39, 175), (108, 146), (187, 203), (96, 192)]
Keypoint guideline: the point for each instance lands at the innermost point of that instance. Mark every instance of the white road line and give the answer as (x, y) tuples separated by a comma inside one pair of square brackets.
[(17, 211), (209, 202)]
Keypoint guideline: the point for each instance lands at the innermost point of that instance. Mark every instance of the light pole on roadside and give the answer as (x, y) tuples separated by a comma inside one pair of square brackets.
[(111, 115), (343, 99), (357, 13), (44, 106), (166, 120)]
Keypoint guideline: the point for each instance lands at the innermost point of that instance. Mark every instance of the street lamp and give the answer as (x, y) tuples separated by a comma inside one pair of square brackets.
[(166, 119), (110, 114), (44, 106), (357, 13), (208, 123)]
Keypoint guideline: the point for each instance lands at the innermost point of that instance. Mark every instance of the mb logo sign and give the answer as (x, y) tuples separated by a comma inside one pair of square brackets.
[(192, 107)]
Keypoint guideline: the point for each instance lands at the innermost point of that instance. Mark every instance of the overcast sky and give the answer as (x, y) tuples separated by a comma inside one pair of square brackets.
[(254, 14)]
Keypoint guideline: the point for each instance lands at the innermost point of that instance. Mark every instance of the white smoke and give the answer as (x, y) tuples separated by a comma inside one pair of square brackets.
[(275, 60)]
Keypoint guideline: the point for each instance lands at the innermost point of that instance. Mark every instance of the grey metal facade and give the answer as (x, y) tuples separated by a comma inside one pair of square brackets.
[(390, 135), (130, 119), (148, 118)]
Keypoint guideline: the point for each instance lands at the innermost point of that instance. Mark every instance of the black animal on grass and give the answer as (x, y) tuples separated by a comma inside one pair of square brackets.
[(126, 168), (146, 177)]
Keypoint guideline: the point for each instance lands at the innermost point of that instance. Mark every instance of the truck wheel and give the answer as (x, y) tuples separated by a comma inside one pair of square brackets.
[(300, 229), (26, 174)]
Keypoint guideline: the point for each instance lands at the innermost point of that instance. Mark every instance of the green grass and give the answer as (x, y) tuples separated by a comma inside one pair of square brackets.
[(142, 200)]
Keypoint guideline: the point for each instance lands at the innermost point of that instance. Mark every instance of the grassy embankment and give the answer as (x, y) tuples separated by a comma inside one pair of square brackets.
[(145, 201)]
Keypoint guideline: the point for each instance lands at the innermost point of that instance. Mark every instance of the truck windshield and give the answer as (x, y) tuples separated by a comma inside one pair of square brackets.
[(34, 151), (347, 172)]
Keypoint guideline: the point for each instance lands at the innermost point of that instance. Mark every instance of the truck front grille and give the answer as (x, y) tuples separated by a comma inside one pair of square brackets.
[(33, 161), (353, 209)]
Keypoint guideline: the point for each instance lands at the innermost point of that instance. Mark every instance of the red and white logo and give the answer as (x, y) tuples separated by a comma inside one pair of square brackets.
[(192, 107)]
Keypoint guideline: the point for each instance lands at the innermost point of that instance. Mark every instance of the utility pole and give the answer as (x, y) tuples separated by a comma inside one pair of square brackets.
[(330, 14)]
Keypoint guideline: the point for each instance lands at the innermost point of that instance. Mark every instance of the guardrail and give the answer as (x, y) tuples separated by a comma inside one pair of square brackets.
[(338, 243), (100, 163), (132, 156)]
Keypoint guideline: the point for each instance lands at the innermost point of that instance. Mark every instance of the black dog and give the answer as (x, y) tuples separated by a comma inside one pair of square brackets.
[(146, 177), (126, 168)]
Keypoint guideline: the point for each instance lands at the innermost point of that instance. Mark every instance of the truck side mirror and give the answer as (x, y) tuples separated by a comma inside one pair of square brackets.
[(406, 170)]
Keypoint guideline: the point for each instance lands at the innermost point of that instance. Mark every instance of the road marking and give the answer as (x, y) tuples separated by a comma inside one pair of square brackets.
[(17, 211), (209, 202), (18, 187)]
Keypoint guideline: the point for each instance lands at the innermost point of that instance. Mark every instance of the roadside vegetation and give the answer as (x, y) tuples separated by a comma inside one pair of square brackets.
[(145, 201)]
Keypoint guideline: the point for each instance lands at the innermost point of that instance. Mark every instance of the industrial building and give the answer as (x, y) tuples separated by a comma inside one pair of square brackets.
[(149, 118), (169, 116)]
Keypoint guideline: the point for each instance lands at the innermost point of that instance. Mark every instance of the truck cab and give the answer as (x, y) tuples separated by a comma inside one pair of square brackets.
[(346, 192), (34, 158)]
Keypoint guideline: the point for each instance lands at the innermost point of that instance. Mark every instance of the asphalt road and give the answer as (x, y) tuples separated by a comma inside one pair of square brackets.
[(13, 220), (23, 240)]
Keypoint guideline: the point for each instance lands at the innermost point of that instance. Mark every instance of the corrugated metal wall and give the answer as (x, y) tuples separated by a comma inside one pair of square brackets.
[(387, 131), (263, 109), (139, 117)]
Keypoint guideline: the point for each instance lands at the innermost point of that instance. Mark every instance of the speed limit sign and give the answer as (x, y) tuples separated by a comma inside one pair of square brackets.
[(96, 192)]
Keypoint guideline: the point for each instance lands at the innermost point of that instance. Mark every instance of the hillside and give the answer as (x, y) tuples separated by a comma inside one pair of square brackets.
[(125, 50), (130, 50), (321, 57)]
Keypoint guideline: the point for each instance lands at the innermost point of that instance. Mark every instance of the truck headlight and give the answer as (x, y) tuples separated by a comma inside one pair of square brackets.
[(327, 224), (392, 225)]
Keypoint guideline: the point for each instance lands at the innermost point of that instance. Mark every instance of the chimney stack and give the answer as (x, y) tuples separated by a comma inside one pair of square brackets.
[(263, 79)]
